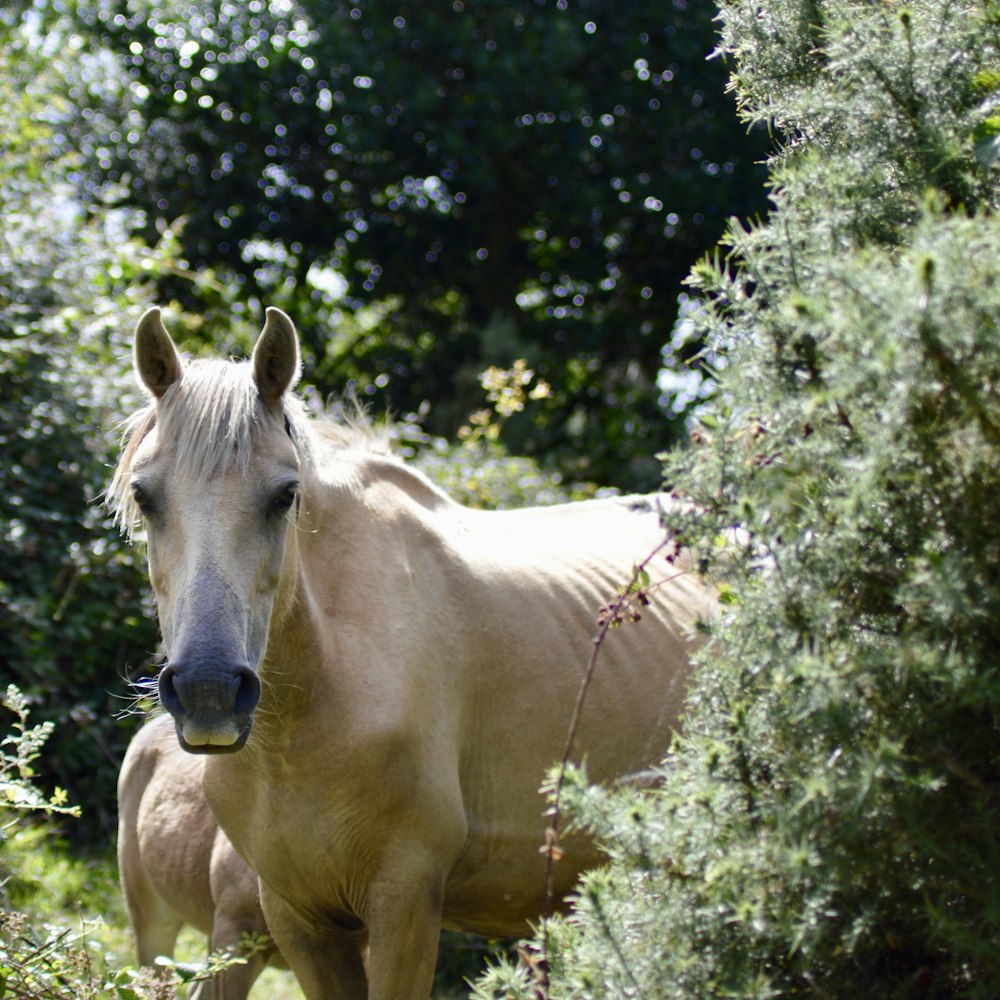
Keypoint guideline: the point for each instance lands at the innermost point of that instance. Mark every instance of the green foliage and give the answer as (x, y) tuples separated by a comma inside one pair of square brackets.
[(479, 470), (38, 959), (72, 611), (54, 909), (826, 826), (17, 754), (485, 475), (489, 180)]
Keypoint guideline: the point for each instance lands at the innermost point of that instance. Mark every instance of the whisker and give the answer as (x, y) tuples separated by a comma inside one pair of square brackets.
[(267, 718), (141, 696)]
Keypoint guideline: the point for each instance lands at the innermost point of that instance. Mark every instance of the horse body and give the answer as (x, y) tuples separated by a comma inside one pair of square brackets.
[(416, 664), (177, 867)]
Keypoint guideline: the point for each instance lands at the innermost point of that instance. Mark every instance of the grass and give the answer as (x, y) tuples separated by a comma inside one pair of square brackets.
[(42, 878)]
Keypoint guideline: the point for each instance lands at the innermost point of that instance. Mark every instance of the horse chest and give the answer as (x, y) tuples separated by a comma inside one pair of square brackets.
[(308, 847)]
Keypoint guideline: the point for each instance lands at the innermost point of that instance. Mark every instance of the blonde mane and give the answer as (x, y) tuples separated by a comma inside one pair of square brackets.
[(214, 415)]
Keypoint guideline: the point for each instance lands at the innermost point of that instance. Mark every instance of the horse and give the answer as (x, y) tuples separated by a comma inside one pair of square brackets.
[(177, 867), (379, 677)]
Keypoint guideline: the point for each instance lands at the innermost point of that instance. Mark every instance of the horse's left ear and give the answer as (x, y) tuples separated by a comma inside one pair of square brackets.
[(276, 357)]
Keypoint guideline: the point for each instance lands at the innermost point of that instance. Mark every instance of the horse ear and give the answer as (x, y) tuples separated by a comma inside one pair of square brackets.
[(276, 356), (157, 362)]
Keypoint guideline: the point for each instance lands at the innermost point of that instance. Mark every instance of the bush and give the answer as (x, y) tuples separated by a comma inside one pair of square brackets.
[(488, 181), (72, 608), (38, 958), (827, 824), (478, 470), (54, 909)]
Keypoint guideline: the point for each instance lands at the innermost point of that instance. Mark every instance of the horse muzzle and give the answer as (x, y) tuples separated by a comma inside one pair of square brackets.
[(212, 708)]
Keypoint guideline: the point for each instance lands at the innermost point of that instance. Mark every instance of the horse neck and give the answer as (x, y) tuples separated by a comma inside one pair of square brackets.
[(292, 638), (363, 520)]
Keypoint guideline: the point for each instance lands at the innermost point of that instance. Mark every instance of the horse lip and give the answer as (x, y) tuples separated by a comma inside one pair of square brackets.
[(212, 714), (210, 745)]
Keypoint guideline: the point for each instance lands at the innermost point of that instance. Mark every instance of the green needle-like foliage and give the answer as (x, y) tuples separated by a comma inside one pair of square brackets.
[(827, 824)]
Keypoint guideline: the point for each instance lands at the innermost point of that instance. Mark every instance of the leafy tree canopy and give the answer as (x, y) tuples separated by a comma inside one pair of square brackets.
[(433, 188), (72, 612)]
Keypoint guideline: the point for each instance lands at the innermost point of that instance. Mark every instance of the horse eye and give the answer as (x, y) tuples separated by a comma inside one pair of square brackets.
[(141, 498), (282, 503)]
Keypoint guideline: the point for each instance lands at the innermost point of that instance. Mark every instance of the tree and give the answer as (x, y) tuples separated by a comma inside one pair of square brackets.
[(73, 614), (490, 181), (827, 824)]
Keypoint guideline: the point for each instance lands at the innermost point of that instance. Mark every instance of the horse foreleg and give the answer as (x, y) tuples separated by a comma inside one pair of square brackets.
[(155, 926), (235, 982), (404, 932), (237, 915), (327, 962)]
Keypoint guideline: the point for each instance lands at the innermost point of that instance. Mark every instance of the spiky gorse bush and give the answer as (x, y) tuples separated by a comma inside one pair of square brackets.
[(827, 825)]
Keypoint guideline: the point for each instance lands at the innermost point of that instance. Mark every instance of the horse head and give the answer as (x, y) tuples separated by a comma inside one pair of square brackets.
[(214, 476)]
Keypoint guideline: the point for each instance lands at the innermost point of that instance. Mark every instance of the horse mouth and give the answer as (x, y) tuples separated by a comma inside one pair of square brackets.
[(221, 737), (212, 707)]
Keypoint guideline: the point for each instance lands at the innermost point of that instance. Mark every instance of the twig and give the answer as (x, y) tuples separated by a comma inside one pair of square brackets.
[(612, 615)]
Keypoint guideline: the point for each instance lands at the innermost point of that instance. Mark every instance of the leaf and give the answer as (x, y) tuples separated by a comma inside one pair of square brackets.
[(185, 971), (986, 139)]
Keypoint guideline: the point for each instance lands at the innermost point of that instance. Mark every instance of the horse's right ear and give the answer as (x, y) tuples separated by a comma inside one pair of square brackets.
[(157, 362)]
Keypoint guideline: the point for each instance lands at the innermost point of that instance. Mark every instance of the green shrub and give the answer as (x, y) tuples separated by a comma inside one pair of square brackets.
[(63, 929), (827, 824), (72, 609), (478, 470), (39, 958)]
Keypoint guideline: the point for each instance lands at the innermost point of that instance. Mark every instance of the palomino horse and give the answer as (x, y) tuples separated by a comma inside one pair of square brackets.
[(177, 867), (396, 672)]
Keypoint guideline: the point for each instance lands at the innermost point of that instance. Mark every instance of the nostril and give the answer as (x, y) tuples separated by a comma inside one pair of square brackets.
[(247, 692), (185, 691), (169, 698)]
